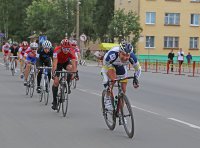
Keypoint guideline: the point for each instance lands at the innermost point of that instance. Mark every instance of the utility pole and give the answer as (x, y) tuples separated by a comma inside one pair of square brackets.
[(77, 22)]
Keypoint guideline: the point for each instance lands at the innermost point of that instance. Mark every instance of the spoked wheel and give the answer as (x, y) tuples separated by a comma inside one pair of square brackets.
[(74, 83), (64, 99), (46, 91), (32, 85), (58, 102), (13, 68), (41, 94), (7, 65), (127, 117), (27, 88), (109, 116)]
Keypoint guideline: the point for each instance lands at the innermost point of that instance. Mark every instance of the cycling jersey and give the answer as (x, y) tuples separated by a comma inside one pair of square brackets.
[(5, 49), (14, 51), (30, 56), (62, 58), (43, 56), (22, 51), (111, 60)]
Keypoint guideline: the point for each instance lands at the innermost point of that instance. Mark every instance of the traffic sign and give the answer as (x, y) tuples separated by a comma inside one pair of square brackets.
[(42, 39), (83, 37), (2, 35)]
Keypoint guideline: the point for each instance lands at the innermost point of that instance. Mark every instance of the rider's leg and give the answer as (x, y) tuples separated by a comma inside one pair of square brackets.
[(27, 70)]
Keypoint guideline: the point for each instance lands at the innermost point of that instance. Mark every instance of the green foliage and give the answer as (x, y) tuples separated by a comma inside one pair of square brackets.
[(123, 25)]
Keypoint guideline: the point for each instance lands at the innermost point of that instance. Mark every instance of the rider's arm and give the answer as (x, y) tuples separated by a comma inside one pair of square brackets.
[(73, 60), (136, 65), (55, 62)]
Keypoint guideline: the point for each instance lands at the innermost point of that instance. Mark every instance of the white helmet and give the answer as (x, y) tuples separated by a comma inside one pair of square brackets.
[(34, 45), (46, 44)]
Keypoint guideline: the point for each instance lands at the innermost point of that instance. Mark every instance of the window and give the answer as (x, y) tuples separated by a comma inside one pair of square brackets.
[(172, 18), (150, 17), (194, 19), (171, 42), (150, 41), (194, 41)]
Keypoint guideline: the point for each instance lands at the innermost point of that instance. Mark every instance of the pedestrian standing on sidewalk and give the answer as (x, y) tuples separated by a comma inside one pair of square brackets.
[(180, 58), (170, 59)]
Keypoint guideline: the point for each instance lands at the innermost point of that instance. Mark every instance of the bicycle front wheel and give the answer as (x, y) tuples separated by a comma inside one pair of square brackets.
[(74, 83), (13, 68), (127, 116), (64, 99), (32, 85), (109, 116), (46, 91)]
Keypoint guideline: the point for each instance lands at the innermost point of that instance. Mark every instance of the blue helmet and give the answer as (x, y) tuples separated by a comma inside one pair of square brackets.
[(126, 47)]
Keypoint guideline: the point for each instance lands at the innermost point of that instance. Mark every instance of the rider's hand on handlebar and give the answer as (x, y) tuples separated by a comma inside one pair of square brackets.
[(135, 82)]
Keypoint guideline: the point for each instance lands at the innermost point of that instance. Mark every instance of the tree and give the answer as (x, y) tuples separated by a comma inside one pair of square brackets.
[(103, 16), (123, 25)]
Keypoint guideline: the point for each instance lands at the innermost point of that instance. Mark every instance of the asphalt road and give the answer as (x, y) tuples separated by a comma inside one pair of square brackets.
[(166, 110)]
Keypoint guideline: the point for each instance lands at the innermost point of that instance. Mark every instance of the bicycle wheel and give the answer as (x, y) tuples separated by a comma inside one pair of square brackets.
[(64, 99), (46, 91), (7, 65), (27, 88), (59, 101), (109, 116), (74, 83), (32, 85), (127, 116), (13, 68)]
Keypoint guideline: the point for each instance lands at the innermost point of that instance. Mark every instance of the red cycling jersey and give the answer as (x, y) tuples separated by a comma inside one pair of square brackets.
[(62, 58)]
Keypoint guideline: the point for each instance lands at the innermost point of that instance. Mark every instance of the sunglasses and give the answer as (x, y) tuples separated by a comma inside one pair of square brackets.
[(47, 48), (34, 48), (66, 49)]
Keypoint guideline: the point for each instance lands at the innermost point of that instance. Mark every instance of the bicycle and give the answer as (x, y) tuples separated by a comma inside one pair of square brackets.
[(62, 97), (6, 61), (13, 66), (45, 87), (121, 108), (31, 80)]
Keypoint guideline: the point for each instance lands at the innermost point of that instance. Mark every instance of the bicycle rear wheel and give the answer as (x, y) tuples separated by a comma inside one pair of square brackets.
[(32, 85), (64, 99), (27, 88), (109, 116), (127, 116)]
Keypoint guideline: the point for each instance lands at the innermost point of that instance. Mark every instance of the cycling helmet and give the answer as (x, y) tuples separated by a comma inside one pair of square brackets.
[(24, 44), (34, 45), (74, 43), (46, 44), (7, 45), (126, 47), (15, 43), (65, 43)]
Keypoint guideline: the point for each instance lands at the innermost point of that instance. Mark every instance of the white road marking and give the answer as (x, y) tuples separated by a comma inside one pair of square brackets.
[(145, 110), (186, 123)]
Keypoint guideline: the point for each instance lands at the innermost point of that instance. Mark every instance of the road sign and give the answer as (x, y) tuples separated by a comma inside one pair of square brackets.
[(42, 39), (83, 37), (2, 35)]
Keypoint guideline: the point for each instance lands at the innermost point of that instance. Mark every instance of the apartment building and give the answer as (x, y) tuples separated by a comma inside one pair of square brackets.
[(167, 24)]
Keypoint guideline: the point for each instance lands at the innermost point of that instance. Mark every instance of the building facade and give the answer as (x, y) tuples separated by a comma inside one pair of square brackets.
[(167, 24)]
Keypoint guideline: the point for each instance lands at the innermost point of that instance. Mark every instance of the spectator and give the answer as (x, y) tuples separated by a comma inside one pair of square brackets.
[(170, 59), (180, 58), (189, 58)]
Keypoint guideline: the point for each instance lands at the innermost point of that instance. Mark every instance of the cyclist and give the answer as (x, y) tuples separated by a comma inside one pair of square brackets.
[(63, 58), (30, 56), (77, 54), (115, 64), (6, 51), (22, 50), (13, 52), (44, 58)]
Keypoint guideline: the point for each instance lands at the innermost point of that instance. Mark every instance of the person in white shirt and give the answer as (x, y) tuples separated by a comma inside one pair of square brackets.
[(180, 58)]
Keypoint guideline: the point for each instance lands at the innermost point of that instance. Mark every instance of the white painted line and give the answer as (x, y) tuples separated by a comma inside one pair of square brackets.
[(186, 123), (145, 110)]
